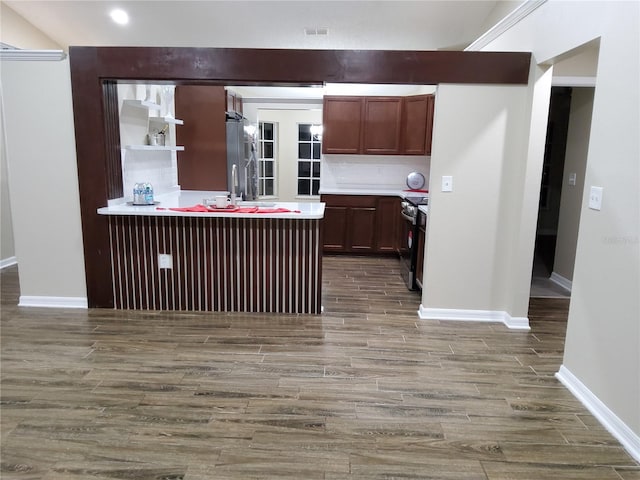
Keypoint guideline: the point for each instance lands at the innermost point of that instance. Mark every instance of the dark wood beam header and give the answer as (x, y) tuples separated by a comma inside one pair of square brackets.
[(280, 66)]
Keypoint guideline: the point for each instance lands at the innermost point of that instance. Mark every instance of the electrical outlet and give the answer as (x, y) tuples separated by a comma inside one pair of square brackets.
[(572, 179), (447, 183), (595, 198), (165, 260)]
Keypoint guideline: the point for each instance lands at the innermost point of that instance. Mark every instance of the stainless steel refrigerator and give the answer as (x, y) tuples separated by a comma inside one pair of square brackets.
[(241, 152)]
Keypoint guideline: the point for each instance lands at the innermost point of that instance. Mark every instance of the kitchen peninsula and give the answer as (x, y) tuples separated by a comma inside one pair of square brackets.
[(264, 259)]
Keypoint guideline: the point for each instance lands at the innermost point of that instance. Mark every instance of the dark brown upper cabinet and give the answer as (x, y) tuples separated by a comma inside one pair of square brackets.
[(342, 124), (378, 125), (382, 126), (234, 102), (417, 124)]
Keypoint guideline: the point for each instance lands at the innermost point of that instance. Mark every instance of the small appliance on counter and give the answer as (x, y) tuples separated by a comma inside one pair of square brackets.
[(143, 194)]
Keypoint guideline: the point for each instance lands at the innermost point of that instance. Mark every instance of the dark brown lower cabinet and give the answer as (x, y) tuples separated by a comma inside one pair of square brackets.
[(364, 224), (361, 231), (388, 225), (334, 229)]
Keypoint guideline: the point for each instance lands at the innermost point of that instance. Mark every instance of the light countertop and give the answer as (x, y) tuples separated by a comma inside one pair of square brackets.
[(374, 191), (190, 198)]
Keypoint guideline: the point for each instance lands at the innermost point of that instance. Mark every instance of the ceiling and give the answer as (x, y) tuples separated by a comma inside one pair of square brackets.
[(360, 24)]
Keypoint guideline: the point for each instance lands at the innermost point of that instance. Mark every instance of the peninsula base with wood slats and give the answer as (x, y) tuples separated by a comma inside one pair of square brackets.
[(221, 264)]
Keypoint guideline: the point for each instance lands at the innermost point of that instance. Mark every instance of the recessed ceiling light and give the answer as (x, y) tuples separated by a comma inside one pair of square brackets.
[(119, 16)]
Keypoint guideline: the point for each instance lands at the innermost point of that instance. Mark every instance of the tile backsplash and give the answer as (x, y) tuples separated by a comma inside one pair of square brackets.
[(370, 171), (156, 167)]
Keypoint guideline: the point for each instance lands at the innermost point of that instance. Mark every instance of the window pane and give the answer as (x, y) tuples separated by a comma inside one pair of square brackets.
[(316, 151), (267, 150), (316, 169), (303, 187), (268, 187), (267, 131), (268, 169), (304, 132), (304, 150), (316, 187), (304, 169)]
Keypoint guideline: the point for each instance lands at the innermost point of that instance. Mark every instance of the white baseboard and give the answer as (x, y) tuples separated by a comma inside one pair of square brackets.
[(609, 420), (514, 323), (7, 262), (53, 302), (560, 280)]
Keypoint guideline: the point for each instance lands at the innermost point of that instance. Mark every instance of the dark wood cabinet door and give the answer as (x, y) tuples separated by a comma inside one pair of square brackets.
[(382, 125), (342, 124), (415, 120), (203, 163), (387, 224), (334, 229), (362, 222), (431, 101)]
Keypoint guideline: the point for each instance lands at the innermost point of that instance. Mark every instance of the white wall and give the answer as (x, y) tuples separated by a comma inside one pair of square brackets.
[(7, 248), (477, 139), (575, 162), (43, 180), (17, 32), (603, 335)]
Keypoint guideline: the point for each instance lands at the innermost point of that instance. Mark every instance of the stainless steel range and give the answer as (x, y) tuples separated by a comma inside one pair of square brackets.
[(410, 232)]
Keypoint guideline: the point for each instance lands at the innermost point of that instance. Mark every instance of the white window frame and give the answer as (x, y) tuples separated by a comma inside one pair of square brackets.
[(261, 160), (315, 139)]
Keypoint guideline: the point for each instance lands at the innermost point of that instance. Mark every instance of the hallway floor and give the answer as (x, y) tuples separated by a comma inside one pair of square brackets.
[(364, 391)]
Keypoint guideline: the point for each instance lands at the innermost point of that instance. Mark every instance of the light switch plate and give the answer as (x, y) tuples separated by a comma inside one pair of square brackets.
[(165, 261), (447, 183), (595, 198)]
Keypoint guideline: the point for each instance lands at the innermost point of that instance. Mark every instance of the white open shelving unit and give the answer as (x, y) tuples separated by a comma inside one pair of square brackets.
[(177, 148), (151, 106)]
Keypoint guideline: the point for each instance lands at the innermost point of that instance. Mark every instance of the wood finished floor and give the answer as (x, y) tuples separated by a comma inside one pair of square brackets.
[(364, 391)]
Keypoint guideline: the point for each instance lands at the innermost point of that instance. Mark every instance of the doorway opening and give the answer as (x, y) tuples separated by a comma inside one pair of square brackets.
[(550, 196), (561, 191)]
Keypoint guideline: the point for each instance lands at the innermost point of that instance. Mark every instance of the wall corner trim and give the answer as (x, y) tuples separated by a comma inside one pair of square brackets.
[(573, 81), (523, 10), (7, 262), (609, 420), (492, 316), (560, 280), (32, 55), (53, 302)]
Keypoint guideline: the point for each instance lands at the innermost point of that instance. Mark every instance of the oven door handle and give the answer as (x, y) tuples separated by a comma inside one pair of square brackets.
[(408, 218)]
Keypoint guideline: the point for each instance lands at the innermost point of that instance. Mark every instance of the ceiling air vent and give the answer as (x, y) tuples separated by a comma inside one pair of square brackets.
[(316, 31)]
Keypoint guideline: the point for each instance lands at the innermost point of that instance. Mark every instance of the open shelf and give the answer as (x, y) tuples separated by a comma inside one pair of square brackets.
[(142, 104), (167, 148), (169, 120)]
